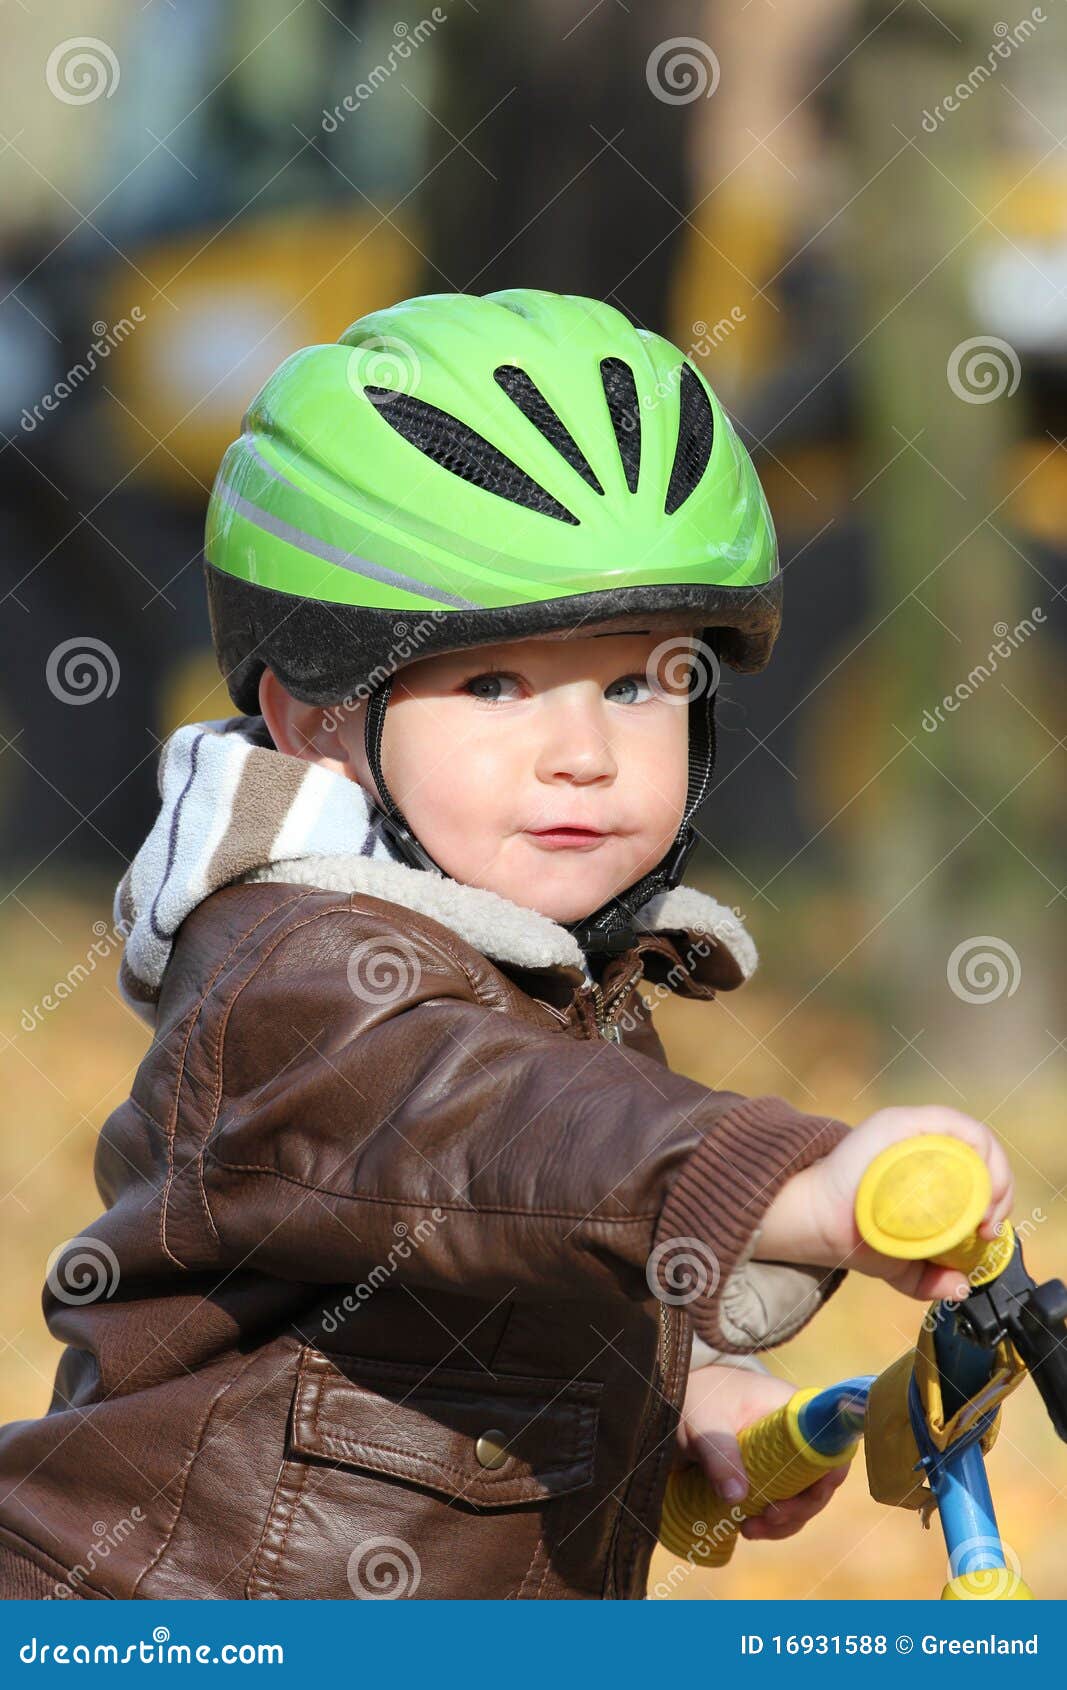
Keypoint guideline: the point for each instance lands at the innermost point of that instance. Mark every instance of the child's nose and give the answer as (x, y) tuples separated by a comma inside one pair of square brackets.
[(576, 745)]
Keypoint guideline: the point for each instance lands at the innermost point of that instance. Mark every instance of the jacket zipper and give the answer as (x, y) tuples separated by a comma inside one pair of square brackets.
[(607, 1011)]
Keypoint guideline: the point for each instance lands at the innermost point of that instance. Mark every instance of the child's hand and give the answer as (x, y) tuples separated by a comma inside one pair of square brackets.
[(813, 1217), (720, 1401)]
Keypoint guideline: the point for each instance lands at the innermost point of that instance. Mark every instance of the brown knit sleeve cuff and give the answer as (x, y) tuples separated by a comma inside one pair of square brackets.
[(709, 1226)]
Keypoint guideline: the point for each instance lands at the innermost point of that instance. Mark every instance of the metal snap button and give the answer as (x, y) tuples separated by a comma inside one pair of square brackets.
[(490, 1448)]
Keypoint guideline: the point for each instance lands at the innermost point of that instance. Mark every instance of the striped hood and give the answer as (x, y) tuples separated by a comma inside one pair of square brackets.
[(234, 808)]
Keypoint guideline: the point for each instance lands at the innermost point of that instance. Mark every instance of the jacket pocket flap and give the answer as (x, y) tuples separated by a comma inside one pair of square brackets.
[(404, 1421)]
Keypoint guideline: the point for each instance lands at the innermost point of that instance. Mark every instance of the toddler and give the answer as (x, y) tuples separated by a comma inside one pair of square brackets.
[(418, 1267)]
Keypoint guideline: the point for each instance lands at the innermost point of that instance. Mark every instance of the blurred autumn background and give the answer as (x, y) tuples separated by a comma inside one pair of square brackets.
[(853, 216)]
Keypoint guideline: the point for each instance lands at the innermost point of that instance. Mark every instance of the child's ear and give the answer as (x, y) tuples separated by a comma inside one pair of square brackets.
[(310, 731)]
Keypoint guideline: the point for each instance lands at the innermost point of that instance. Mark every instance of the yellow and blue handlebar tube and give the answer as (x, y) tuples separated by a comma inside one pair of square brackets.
[(921, 1199)]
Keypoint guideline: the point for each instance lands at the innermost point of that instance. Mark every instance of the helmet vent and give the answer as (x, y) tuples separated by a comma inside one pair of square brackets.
[(463, 451), (620, 391), (696, 430), (532, 403)]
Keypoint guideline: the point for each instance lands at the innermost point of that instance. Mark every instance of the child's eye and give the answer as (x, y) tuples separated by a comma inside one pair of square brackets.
[(629, 682), (490, 687)]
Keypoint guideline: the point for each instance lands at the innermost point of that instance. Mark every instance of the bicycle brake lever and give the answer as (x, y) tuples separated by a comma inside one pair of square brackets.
[(1034, 1318)]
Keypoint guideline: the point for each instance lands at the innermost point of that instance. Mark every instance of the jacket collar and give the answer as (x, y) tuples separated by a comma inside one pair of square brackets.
[(709, 939)]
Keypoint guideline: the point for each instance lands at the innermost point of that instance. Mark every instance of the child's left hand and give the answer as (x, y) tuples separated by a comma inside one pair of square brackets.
[(719, 1401)]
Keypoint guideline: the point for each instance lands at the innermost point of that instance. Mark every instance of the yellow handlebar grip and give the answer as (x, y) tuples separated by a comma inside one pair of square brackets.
[(698, 1525), (923, 1199)]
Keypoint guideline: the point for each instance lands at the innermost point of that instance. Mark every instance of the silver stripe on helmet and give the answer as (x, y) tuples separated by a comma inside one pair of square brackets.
[(334, 554)]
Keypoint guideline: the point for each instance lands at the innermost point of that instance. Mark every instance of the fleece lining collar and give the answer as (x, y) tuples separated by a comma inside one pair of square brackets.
[(500, 929)]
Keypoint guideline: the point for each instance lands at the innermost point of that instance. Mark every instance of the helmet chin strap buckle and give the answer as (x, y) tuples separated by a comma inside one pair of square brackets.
[(674, 867), (596, 943), (597, 938)]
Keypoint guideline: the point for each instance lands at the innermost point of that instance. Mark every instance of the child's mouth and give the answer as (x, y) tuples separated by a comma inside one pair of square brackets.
[(562, 838)]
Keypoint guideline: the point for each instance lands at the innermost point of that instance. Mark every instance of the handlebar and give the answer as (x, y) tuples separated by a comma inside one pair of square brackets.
[(921, 1199), (783, 1453)]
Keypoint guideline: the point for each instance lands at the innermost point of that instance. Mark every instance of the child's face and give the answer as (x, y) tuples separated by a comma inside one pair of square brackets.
[(484, 749)]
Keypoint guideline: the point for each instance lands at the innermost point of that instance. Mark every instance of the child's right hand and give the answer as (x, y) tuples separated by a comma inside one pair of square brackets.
[(813, 1220)]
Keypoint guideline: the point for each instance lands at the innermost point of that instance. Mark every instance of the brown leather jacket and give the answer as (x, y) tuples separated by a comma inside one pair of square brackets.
[(381, 1299)]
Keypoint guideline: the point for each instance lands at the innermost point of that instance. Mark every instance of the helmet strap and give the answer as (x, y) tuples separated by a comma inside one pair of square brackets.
[(392, 819)]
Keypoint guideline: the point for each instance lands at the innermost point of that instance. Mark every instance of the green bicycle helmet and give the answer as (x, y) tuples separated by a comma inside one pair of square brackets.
[(458, 470)]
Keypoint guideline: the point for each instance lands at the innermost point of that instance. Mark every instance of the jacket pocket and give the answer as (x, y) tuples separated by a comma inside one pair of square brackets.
[(400, 1481)]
